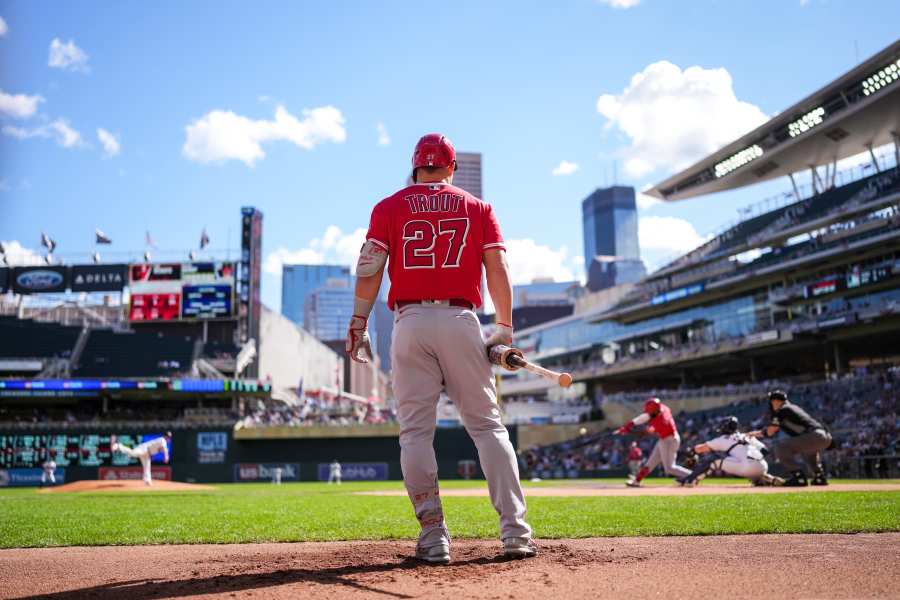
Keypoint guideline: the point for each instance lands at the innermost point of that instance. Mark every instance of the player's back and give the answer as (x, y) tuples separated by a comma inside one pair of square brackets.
[(436, 235)]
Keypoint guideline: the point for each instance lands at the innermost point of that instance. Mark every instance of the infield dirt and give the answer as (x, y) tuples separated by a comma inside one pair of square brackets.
[(759, 566)]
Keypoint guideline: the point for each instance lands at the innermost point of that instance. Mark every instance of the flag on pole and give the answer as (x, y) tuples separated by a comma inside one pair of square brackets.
[(147, 257), (96, 258), (47, 243), (192, 256), (101, 238), (148, 241), (204, 239)]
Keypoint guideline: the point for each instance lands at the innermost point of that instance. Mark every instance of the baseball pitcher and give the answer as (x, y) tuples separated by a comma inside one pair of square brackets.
[(145, 451), (435, 239), (660, 422)]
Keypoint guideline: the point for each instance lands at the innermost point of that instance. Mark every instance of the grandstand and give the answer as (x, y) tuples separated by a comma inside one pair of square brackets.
[(803, 288)]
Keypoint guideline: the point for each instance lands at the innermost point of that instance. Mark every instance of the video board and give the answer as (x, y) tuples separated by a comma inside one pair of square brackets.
[(68, 450), (181, 291)]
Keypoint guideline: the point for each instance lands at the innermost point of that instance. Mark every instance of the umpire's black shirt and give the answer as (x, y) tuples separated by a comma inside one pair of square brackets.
[(793, 420)]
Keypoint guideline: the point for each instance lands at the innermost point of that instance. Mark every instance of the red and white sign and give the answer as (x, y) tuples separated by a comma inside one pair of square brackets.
[(155, 307), (159, 473)]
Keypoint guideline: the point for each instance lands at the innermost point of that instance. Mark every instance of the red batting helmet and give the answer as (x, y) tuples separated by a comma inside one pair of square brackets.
[(652, 405), (433, 150)]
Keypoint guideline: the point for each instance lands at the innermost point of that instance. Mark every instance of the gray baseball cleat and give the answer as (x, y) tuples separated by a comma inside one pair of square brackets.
[(437, 555), (519, 547)]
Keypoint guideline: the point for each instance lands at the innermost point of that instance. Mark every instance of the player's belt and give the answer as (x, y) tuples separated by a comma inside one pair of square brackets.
[(457, 302)]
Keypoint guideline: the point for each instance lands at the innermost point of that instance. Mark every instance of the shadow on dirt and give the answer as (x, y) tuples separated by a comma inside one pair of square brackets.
[(146, 589)]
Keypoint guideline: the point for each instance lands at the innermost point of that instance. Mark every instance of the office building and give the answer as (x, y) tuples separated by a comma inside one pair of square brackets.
[(546, 292), (468, 173), (328, 309), (298, 281), (609, 218)]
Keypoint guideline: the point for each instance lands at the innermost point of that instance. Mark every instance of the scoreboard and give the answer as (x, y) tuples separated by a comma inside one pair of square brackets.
[(181, 291), (68, 450)]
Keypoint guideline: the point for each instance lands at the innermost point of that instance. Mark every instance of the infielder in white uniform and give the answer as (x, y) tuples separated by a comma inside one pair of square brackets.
[(145, 451), (732, 453), (334, 472)]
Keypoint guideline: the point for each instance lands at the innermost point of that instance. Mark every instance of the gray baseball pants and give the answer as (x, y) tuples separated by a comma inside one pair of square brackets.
[(802, 452), (441, 347), (665, 452)]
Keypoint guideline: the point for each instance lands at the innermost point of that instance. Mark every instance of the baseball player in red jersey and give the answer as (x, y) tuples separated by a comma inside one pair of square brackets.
[(635, 455), (435, 239), (662, 424)]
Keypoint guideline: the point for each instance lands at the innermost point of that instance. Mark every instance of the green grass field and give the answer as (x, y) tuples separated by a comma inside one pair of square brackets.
[(313, 511)]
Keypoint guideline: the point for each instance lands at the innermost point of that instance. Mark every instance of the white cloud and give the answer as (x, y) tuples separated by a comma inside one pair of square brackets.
[(334, 246), (619, 3), (68, 56), (58, 130), (19, 106), (223, 135), (565, 168), (17, 254), (384, 139), (645, 202), (667, 233), (674, 117), (529, 260), (3, 27), (111, 145)]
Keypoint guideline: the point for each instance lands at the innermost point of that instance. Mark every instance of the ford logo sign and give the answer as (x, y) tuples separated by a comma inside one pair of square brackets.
[(39, 280)]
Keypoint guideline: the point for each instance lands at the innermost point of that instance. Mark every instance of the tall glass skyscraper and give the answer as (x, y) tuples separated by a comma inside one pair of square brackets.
[(328, 310), (609, 217), (298, 281)]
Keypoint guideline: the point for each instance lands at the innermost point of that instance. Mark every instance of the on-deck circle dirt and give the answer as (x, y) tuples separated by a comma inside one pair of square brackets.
[(755, 566)]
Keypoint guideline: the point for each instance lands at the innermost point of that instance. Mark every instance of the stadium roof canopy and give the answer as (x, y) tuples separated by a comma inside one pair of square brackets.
[(853, 113)]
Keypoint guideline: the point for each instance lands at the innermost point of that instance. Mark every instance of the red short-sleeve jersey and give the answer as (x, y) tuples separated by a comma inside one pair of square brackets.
[(436, 235), (663, 423)]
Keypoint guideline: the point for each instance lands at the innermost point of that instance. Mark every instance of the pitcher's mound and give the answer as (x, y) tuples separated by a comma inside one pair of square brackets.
[(127, 485)]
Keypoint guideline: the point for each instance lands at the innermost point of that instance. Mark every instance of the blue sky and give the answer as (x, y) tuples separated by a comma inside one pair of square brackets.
[(209, 106)]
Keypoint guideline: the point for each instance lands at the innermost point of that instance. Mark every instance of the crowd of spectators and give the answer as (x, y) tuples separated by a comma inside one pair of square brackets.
[(861, 410), (311, 411)]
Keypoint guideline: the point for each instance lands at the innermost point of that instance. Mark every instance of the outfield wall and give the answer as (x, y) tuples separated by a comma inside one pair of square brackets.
[(216, 456)]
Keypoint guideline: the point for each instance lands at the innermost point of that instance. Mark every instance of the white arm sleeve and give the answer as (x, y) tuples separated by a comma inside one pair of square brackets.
[(719, 444), (372, 258), (641, 419)]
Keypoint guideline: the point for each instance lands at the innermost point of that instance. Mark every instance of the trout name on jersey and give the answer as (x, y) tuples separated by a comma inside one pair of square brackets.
[(435, 203)]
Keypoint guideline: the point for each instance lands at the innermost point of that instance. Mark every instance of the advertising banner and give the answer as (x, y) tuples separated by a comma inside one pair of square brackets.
[(157, 472), (99, 278), (40, 280), (374, 471), (26, 477), (265, 471), (211, 447)]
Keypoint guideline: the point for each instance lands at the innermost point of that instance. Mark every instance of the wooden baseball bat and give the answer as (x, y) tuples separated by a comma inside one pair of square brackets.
[(513, 358)]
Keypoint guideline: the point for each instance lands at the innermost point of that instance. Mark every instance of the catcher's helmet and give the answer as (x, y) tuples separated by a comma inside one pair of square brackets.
[(728, 425), (651, 406), (778, 395), (433, 150)]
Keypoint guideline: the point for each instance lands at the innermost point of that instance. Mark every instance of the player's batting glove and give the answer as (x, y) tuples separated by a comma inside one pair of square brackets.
[(503, 334), (624, 429), (358, 346)]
